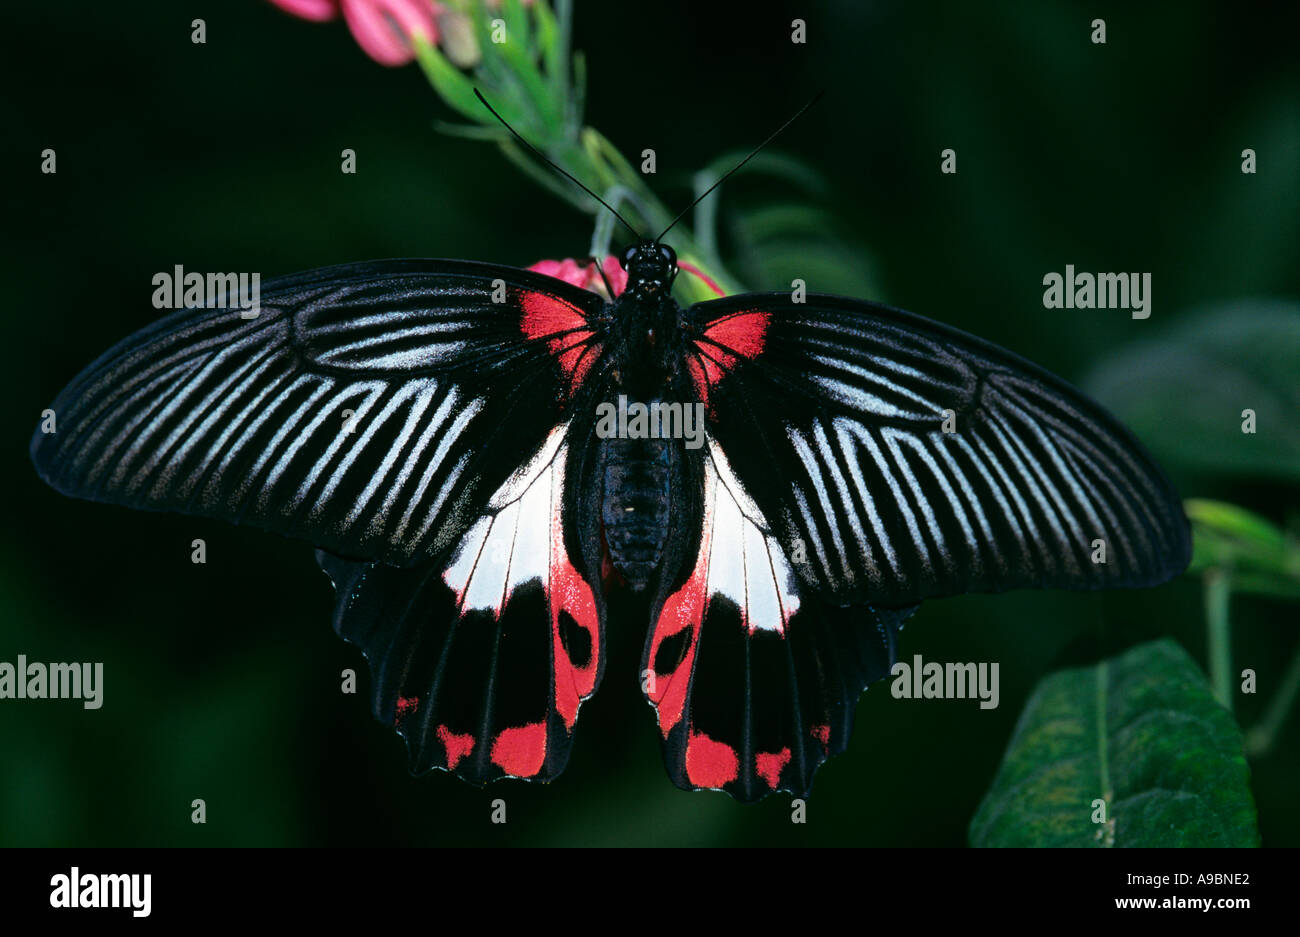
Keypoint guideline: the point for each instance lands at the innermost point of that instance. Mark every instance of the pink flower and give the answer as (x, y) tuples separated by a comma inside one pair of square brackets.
[(383, 28), (586, 276), (318, 11)]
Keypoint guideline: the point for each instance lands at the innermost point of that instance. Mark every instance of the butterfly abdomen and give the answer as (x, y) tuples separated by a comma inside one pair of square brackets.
[(635, 503)]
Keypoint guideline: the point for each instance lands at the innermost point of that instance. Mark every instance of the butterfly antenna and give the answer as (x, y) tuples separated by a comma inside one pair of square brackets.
[(609, 287), (817, 97), (538, 153)]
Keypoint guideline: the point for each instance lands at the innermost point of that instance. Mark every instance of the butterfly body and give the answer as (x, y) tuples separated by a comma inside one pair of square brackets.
[(639, 477), (453, 458), (645, 469)]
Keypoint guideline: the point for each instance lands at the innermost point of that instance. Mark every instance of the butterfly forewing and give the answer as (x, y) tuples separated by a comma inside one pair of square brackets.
[(371, 409), (907, 460)]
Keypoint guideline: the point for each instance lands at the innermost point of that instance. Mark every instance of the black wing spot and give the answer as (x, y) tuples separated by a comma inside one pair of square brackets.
[(575, 639), (671, 651)]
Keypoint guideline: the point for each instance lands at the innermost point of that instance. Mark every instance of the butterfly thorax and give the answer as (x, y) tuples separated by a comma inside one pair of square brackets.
[(646, 345)]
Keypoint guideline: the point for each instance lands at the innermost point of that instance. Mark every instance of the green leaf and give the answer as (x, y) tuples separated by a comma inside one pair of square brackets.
[(520, 58), (1184, 392), (452, 86), (1256, 555), (518, 28), (552, 49), (495, 134), (1140, 731), (578, 103)]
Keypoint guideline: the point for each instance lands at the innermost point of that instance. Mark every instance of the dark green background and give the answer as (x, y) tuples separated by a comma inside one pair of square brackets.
[(222, 681)]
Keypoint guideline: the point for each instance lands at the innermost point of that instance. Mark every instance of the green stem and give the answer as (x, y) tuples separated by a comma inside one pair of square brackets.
[(706, 216), (564, 36), (1260, 740), (1218, 590), (546, 109)]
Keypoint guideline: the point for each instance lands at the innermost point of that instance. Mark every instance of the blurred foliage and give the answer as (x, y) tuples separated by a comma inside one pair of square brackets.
[(1218, 395), (1185, 391), (222, 681), (1139, 732), (1259, 556)]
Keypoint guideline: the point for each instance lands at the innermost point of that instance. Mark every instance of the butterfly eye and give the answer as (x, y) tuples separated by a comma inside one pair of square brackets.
[(626, 259)]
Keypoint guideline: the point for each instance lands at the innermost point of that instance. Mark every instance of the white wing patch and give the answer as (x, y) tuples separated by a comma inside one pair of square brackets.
[(746, 564), (511, 546)]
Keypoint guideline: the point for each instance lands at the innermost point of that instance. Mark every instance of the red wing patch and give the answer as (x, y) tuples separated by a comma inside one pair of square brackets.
[(738, 335), (456, 746), (520, 752), (575, 625), (405, 705), (770, 766), (565, 330), (668, 679), (710, 763)]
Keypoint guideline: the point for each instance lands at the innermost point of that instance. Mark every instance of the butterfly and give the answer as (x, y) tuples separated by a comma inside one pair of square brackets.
[(441, 449), (787, 478)]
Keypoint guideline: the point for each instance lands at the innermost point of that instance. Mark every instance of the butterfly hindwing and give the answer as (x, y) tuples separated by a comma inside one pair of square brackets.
[(482, 660), (755, 678), (911, 460), (370, 408)]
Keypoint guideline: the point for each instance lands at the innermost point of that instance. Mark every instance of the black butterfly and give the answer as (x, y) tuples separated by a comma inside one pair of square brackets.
[(465, 505), (438, 430)]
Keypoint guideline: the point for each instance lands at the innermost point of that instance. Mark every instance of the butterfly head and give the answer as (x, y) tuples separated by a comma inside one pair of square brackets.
[(651, 268)]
